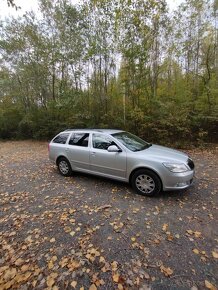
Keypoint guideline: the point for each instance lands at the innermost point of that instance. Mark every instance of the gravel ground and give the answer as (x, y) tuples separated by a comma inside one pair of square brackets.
[(84, 232)]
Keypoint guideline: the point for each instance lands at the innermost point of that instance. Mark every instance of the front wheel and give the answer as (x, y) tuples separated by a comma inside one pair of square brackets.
[(64, 166), (146, 182)]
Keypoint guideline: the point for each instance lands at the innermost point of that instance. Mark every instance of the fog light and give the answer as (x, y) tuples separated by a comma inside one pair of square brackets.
[(181, 184)]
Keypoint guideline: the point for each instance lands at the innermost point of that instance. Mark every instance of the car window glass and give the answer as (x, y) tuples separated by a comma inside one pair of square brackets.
[(100, 141), (79, 139), (61, 138), (131, 141)]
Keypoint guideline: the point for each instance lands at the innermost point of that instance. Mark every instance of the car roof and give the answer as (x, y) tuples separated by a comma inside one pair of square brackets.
[(108, 131)]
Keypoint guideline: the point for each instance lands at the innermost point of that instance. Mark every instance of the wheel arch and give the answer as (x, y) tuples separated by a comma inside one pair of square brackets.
[(146, 168), (59, 157)]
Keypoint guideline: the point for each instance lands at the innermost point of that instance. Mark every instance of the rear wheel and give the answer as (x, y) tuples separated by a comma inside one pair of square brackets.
[(146, 182), (64, 166)]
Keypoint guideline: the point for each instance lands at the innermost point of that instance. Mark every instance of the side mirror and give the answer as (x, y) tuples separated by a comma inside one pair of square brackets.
[(113, 148)]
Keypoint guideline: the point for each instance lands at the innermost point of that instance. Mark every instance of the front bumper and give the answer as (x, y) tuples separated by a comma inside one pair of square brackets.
[(178, 181)]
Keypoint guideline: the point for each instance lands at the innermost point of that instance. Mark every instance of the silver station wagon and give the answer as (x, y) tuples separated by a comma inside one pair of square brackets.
[(122, 156)]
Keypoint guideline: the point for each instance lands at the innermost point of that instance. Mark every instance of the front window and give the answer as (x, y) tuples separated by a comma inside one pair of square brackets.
[(131, 141), (100, 141)]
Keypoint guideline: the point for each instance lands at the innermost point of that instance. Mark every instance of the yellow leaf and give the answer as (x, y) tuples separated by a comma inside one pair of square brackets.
[(34, 283), (170, 237), (25, 267), (101, 259), (72, 233), (73, 284), (164, 228), (196, 251), (50, 281), (167, 271), (54, 258), (208, 285), (67, 229), (133, 239), (215, 254), (93, 287), (120, 286), (63, 262), (197, 234), (54, 275), (52, 240), (50, 265), (114, 265), (9, 274), (19, 262), (116, 277)]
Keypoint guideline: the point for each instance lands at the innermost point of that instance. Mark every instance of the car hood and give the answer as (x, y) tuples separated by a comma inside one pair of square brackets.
[(164, 154)]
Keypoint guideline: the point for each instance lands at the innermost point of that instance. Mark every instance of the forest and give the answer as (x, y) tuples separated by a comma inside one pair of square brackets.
[(127, 64)]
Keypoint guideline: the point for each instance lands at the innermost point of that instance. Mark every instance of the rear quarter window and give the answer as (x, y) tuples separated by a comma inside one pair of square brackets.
[(61, 138)]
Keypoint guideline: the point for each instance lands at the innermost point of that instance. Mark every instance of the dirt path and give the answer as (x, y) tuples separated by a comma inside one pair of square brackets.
[(84, 232)]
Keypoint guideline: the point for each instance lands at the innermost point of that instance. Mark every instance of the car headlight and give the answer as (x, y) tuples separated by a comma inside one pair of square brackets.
[(176, 167)]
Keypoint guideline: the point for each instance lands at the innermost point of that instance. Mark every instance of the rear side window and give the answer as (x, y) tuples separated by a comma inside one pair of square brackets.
[(61, 138), (79, 139)]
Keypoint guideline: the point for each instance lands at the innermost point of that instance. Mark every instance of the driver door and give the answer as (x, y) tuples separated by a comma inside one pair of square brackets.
[(102, 162)]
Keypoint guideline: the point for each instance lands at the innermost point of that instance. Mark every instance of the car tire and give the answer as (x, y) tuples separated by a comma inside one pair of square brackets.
[(64, 166), (146, 182)]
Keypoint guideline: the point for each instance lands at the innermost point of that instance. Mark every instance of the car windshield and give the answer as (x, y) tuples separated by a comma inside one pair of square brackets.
[(131, 141)]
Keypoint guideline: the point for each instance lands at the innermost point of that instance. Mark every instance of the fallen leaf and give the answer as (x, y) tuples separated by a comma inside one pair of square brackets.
[(164, 227), (114, 265), (9, 274), (50, 281), (196, 251), (19, 262), (93, 287), (116, 277), (73, 284), (197, 234), (215, 254), (167, 271), (101, 259), (208, 285)]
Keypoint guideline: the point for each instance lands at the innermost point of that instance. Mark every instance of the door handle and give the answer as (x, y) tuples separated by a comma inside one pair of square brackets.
[(67, 149), (93, 153)]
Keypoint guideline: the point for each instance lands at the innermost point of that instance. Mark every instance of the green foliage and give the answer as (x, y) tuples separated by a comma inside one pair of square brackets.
[(123, 64)]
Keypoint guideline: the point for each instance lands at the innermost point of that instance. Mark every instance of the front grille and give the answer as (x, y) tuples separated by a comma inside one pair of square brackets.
[(191, 164)]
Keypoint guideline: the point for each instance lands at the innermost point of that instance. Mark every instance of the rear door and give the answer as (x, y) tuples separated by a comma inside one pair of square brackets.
[(78, 151), (102, 162)]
